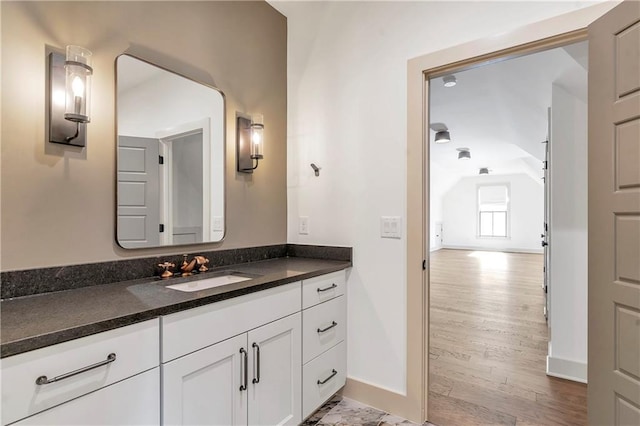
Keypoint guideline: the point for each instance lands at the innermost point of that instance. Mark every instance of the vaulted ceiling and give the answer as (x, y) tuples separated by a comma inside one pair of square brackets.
[(499, 111)]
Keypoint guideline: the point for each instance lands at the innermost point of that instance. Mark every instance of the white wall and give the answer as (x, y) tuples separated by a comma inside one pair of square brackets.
[(568, 237), (347, 66), (164, 102), (440, 182), (525, 220)]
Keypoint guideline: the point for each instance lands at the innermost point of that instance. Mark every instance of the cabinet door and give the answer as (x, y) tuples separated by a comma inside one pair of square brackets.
[(204, 387), (134, 401), (276, 365)]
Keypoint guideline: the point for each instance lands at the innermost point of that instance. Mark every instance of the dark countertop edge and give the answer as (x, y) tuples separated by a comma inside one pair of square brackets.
[(28, 344)]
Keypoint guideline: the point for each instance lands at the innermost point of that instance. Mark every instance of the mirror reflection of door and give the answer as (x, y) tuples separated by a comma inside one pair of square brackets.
[(161, 183), (184, 184), (138, 183)]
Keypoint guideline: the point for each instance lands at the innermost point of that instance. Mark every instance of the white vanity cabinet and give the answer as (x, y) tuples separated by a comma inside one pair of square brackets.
[(108, 378), (270, 357), (213, 375), (324, 320)]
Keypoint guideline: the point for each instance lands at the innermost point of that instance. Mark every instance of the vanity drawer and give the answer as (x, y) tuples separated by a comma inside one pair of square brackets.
[(320, 289), (136, 349), (323, 326), (322, 377), (188, 331), (134, 401)]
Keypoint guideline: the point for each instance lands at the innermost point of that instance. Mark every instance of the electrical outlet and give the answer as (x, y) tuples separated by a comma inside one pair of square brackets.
[(303, 225), (218, 223)]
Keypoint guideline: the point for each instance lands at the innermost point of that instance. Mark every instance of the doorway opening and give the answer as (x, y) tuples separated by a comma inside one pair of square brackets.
[(508, 232)]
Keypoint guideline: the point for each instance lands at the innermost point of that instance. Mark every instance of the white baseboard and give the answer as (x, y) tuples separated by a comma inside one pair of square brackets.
[(567, 369), (432, 249), (383, 399), (508, 250)]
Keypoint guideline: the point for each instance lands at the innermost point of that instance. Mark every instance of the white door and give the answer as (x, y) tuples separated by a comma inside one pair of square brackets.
[(276, 365), (134, 401), (207, 387), (138, 192), (614, 217)]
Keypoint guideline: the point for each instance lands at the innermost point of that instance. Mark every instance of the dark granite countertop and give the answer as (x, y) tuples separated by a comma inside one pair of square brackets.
[(33, 322)]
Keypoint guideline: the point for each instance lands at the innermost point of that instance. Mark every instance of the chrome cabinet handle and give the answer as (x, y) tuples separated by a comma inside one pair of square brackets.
[(43, 380), (322, 330), (331, 287), (333, 373), (243, 386), (256, 349)]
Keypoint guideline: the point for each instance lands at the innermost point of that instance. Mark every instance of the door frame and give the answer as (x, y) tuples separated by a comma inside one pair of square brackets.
[(544, 35)]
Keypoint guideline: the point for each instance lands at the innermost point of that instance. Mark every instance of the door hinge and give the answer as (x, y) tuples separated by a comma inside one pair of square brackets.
[(424, 264), (161, 227), (160, 159), (545, 165)]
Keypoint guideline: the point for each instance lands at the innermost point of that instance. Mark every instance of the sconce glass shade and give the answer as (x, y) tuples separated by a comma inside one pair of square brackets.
[(78, 72), (257, 136), (484, 171), (443, 136), (464, 155)]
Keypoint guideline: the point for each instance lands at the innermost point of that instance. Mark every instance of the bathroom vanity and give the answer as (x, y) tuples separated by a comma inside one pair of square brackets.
[(268, 350)]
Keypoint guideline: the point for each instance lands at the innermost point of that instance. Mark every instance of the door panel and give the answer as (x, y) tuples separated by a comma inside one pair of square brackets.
[(274, 394), (614, 217), (138, 192), (203, 388)]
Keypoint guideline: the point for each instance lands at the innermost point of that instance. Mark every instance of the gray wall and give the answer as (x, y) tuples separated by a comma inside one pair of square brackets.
[(58, 202)]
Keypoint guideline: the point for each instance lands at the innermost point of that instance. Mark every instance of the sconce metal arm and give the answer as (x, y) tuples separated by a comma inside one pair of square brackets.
[(70, 138), (254, 167)]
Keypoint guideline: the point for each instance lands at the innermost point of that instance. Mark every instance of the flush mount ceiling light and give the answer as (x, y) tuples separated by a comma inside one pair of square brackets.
[(464, 154), (449, 80), (484, 171), (69, 95), (443, 136)]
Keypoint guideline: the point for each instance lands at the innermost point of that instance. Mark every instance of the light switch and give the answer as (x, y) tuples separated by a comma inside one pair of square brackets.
[(391, 227), (303, 225)]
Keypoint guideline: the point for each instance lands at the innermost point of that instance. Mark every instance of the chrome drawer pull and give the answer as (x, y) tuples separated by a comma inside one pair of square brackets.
[(42, 380), (331, 287), (322, 330), (333, 373)]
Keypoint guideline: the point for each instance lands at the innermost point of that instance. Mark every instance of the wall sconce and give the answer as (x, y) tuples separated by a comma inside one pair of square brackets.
[(69, 96), (483, 171), (249, 142)]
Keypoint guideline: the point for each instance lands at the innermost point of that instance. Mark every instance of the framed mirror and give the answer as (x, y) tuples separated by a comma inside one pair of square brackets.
[(171, 157)]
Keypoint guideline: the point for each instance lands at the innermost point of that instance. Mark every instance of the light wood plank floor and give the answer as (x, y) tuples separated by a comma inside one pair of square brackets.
[(489, 344)]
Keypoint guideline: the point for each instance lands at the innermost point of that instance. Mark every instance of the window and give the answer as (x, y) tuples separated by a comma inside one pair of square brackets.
[(493, 209)]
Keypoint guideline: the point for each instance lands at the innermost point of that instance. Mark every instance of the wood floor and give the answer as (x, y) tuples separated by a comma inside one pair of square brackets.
[(489, 344)]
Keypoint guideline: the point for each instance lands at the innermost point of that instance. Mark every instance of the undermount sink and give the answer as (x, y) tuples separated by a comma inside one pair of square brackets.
[(209, 283)]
